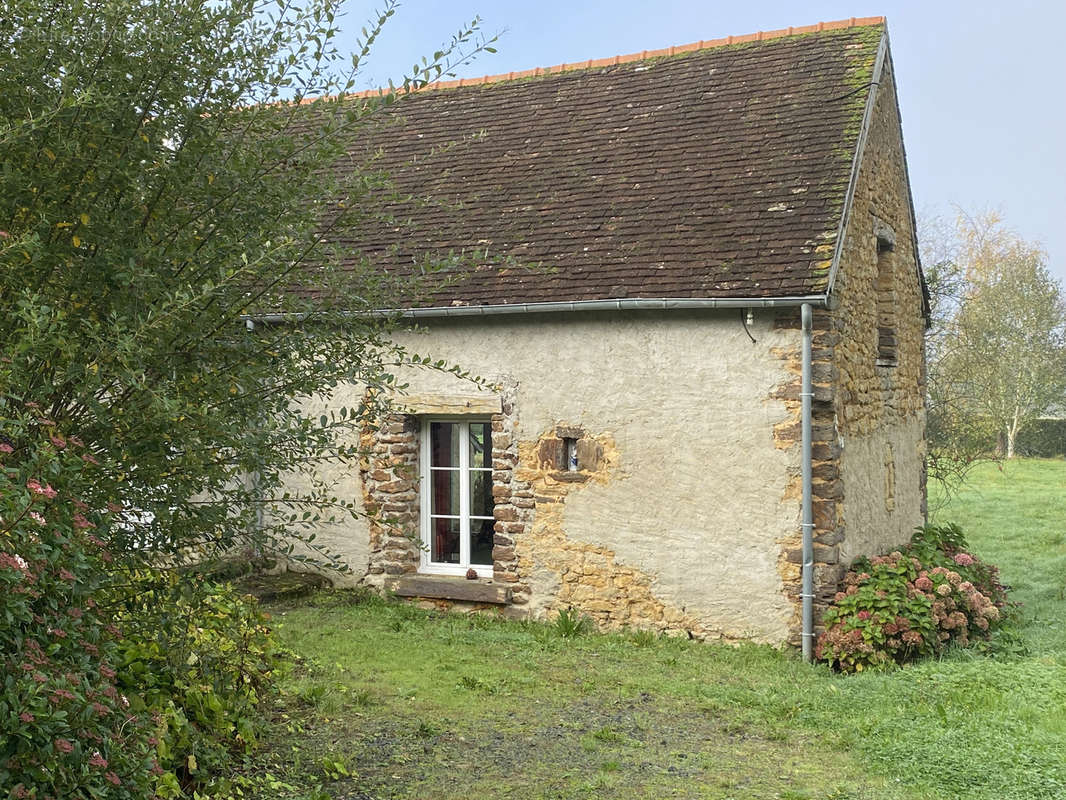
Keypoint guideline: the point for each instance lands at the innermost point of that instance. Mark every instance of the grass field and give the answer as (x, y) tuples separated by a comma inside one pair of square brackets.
[(387, 701)]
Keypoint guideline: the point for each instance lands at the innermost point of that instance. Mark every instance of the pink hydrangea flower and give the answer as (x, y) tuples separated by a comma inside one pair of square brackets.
[(63, 746), (97, 760), (6, 448), (58, 441), (112, 778), (26, 716), (964, 560)]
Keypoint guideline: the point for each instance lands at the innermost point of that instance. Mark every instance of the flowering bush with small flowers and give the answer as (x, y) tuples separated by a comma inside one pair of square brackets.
[(66, 727), (121, 682), (912, 603)]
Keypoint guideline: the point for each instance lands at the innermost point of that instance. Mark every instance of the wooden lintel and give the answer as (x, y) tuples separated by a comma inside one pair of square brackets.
[(484, 403), (446, 587)]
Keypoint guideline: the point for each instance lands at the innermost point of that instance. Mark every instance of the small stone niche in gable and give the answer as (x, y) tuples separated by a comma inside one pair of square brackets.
[(570, 453), (886, 294)]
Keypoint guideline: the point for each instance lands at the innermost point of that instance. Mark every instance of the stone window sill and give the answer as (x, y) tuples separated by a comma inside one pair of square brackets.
[(446, 587)]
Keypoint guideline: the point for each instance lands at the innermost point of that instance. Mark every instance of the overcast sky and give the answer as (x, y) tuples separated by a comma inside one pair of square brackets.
[(980, 83)]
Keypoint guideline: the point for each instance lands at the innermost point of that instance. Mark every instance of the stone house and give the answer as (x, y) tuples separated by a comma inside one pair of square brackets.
[(666, 245)]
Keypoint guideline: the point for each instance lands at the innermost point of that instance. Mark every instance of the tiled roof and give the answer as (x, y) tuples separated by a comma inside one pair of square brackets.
[(717, 171)]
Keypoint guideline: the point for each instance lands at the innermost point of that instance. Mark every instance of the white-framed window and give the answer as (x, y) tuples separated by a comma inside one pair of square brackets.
[(456, 496)]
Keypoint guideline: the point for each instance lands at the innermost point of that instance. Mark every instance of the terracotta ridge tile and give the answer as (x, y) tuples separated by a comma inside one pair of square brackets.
[(610, 61)]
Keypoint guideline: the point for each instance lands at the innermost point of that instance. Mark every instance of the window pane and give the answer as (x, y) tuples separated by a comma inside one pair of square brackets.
[(481, 493), (481, 531), (445, 492), (445, 545), (480, 444), (444, 444)]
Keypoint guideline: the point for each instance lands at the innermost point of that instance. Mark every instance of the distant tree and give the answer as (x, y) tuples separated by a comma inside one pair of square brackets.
[(998, 348), (166, 172), (956, 438)]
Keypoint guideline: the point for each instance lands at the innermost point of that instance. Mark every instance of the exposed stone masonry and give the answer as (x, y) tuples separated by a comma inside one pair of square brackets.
[(389, 473), (531, 481), (588, 577), (826, 487), (858, 391), (513, 505)]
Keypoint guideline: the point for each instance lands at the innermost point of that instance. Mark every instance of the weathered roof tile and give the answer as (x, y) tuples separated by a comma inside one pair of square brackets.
[(714, 172)]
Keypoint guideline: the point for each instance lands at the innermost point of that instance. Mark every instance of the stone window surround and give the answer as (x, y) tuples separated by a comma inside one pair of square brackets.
[(389, 472)]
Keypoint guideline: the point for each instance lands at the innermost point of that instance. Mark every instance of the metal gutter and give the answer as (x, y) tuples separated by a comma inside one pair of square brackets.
[(636, 304), (856, 161)]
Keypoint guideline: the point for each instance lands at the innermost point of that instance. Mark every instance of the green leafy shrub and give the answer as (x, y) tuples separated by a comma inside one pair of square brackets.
[(198, 658), (912, 603), (67, 727)]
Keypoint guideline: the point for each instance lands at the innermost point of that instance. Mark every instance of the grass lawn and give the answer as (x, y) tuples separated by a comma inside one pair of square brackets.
[(388, 701)]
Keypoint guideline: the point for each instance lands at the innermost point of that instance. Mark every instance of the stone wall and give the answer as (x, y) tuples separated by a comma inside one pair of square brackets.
[(868, 412), (880, 393), (678, 512), (826, 484), (389, 475)]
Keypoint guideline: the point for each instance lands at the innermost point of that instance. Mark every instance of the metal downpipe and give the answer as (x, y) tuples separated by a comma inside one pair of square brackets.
[(807, 589)]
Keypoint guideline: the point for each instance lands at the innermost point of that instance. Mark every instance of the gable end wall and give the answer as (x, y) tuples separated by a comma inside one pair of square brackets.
[(878, 409)]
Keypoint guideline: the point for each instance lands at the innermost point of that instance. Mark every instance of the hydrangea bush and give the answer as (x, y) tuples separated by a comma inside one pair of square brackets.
[(912, 603)]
